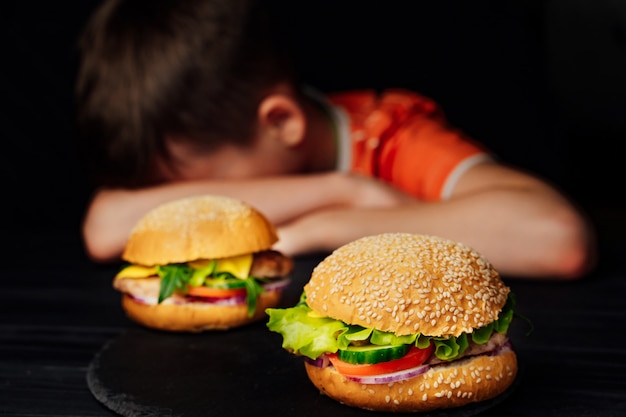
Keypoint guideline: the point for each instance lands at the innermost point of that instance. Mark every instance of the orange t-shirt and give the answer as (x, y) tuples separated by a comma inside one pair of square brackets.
[(403, 139)]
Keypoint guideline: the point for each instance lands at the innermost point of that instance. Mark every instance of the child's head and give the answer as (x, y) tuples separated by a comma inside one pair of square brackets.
[(158, 69)]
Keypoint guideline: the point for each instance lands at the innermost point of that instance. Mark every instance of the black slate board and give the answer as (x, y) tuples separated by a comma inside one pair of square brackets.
[(238, 372)]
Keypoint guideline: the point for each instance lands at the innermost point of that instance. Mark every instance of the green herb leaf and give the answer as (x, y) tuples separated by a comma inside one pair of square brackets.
[(531, 326), (173, 277), (253, 290)]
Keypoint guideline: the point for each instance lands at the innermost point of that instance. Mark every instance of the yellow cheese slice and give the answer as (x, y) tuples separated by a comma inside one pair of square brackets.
[(137, 271), (239, 266)]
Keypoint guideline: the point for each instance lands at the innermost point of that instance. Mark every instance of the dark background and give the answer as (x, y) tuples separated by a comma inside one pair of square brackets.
[(542, 83)]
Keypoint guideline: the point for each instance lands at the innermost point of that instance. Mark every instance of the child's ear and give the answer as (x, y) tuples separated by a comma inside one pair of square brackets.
[(281, 117)]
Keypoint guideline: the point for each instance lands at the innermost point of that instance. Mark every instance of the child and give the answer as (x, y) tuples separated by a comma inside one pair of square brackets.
[(185, 97)]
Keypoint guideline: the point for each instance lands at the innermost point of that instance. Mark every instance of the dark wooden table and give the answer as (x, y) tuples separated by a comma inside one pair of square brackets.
[(58, 312)]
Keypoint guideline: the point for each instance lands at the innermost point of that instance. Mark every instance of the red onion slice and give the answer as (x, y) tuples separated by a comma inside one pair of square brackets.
[(277, 284), (321, 361), (222, 301), (392, 377)]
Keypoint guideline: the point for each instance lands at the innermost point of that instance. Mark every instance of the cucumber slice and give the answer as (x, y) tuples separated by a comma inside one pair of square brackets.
[(371, 354)]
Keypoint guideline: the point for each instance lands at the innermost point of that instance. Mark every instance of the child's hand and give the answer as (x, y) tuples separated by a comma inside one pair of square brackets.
[(325, 228), (370, 192)]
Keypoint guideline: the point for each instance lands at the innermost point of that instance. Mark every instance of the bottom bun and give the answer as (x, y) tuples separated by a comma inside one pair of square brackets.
[(197, 317), (455, 384)]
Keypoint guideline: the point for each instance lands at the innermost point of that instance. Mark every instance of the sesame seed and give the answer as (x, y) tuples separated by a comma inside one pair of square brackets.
[(408, 277)]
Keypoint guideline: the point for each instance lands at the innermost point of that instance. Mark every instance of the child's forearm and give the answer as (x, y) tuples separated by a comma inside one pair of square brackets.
[(521, 233), (113, 212)]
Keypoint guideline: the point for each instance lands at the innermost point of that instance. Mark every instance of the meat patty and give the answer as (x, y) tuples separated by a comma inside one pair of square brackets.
[(271, 264)]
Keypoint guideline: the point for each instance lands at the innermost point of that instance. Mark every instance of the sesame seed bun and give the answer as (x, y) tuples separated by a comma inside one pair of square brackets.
[(458, 383), (406, 284), (202, 227), (199, 228), (197, 317)]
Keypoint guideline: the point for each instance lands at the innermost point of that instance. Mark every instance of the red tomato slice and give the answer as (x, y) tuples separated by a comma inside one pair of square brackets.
[(413, 358), (203, 291)]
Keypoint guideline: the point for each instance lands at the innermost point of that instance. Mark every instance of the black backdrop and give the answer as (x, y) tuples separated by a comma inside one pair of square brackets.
[(540, 82)]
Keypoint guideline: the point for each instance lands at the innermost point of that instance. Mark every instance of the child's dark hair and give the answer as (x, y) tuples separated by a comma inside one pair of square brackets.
[(189, 68)]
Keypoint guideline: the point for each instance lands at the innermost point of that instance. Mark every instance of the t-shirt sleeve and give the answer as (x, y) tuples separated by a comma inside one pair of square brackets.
[(425, 157)]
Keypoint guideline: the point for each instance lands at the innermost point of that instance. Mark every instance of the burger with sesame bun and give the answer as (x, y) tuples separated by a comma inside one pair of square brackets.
[(403, 323), (202, 263)]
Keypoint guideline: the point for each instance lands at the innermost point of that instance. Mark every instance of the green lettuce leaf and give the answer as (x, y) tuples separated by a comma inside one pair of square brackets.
[(422, 341), (353, 334), (389, 338), (451, 347), (506, 315), (307, 334), (483, 334)]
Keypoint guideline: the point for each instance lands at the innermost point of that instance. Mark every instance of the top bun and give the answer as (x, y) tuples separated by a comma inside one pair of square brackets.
[(406, 283), (202, 227)]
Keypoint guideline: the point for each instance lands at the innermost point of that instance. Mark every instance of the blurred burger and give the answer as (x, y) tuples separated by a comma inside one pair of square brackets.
[(201, 263), (403, 323)]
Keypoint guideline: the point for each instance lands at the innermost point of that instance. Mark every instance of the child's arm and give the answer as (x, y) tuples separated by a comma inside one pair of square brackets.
[(112, 213), (521, 224)]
